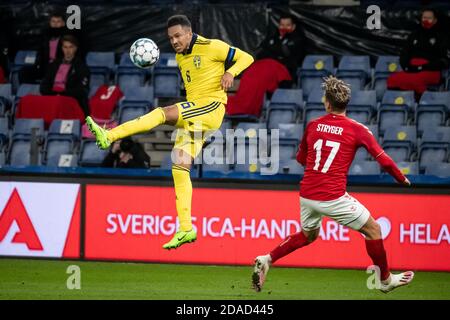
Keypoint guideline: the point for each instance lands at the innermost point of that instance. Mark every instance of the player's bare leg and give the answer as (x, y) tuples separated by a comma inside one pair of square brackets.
[(290, 244), (183, 189), (375, 249)]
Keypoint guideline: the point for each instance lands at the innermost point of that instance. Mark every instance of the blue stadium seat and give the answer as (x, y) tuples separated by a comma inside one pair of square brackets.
[(22, 58), (354, 70), (23, 127), (130, 113), (26, 89), (64, 160), (399, 142), (364, 168), (314, 106), (101, 64), (361, 155), (215, 167), (138, 96), (433, 110), (439, 169), (90, 154), (166, 83), (166, 77), (247, 168), (6, 98), (314, 68), (291, 132), (128, 75), (250, 125), (434, 146), (287, 149), (19, 152), (290, 167), (4, 132), (54, 148), (374, 129), (362, 106), (395, 109), (409, 168), (287, 99), (276, 116), (2, 158), (383, 68), (65, 130)]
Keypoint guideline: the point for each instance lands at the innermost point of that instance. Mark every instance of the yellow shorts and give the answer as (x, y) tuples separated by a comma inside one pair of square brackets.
[(196, 120)]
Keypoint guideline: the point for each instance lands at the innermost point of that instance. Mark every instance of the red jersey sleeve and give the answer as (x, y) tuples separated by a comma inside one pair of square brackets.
[(368, 141), (303, 149)]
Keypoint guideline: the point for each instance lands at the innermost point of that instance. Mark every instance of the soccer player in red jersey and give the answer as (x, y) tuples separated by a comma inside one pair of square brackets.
[(327, 150)]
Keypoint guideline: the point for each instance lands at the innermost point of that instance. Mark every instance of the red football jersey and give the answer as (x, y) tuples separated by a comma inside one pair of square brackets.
[(327, 150)]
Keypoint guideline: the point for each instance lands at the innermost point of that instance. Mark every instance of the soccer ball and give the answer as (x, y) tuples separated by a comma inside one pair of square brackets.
[(144, 53)]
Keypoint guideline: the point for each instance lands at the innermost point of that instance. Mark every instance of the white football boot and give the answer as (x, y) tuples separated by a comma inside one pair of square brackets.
[(397, 280), (262, 265)]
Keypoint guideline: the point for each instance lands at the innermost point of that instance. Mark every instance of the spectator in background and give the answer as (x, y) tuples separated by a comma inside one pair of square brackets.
[(423, 58), (278, 56), (126, 153), (50, 49), (69, 75)]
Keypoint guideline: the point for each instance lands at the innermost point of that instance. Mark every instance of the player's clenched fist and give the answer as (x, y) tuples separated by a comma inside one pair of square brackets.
[(227, 81)]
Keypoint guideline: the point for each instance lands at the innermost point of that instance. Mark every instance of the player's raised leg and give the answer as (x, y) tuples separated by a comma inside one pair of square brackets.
[(183, 191), (141, 124), (375, 249)]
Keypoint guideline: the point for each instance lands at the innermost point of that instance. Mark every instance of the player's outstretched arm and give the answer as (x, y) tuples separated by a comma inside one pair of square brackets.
[(390, 167)]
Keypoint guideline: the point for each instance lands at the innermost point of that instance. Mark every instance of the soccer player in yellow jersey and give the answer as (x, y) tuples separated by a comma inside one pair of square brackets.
[(202, 65)]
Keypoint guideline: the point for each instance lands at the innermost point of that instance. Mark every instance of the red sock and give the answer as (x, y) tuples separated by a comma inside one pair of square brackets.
[(376, 251), (291, 243)]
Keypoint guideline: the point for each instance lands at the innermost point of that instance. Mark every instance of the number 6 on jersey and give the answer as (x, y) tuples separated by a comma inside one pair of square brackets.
[(318, 147)]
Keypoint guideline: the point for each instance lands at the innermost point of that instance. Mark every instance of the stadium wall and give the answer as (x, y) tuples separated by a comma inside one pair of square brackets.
[(129, 220)]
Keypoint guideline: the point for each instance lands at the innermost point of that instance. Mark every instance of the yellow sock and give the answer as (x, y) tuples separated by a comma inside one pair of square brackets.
[(183, 191), (138, 125)]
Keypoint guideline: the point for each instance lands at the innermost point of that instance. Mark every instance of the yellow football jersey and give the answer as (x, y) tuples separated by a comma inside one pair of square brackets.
[(203, 66)]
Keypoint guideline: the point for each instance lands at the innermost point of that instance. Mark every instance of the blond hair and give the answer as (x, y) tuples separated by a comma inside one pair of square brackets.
[(337, 92)]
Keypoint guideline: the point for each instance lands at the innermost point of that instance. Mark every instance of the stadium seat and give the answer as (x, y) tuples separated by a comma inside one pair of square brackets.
[(138, 96), (20, 152), (128, 75), (166, 78), (5, 98), (400, 136), (215, 167), (287, 99), (23, 127), (312, 71), (287, 149), (439, 169), (130, 113), (354, 70), (364, 168), (290, 132), (2, 158), (314, 106), (54, 148), (374, 129), (434, 146), (290, 167), (250, 125), (26, 89), (395, 109), (433, 110), (64, 160), (362, 106), (101, 64), (247, 168), (383, 68), (65, 129), (276, 116), (361, 155), (4, 132), (22, 58), (90, 154), (408, 168)]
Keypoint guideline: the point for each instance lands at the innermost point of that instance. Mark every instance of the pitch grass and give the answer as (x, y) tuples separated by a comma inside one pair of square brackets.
[(44, 279)]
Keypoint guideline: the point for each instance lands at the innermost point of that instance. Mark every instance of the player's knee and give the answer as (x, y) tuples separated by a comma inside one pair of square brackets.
[(311, 235), (374, 231)]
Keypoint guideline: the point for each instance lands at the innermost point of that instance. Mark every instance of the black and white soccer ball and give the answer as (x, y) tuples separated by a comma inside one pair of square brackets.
[(144, 53)]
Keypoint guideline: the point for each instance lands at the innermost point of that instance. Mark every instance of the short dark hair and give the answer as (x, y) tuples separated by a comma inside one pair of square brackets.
[(58, 14), (179, 19), (288, 16), (70, 38)]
